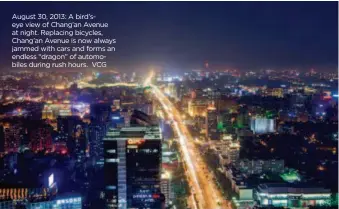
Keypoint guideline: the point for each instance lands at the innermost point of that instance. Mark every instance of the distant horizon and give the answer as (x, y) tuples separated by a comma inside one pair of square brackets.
[(175, 70)]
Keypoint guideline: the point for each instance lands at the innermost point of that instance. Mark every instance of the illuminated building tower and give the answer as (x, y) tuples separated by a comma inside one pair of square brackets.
[(101, 117), (197, 107), (214, 96), (14, 135), (41, 138), (166, 187), (261, 125), (233, 151), (67, 128), (211, 124), (80, 142), (96, 133), (132, 168), (67, 124)]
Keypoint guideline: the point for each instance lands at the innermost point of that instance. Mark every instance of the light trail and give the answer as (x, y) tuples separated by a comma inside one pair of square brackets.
[(182, 141), (194, 203), (149, 78), (205, 195)]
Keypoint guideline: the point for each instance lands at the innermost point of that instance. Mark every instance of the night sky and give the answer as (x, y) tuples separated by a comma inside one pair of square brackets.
[(182, 35)]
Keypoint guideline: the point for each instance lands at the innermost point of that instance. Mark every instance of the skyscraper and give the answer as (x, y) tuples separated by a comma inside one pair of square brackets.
[(101, 118), (80, 137), (211, 124), (166, 187), (41, 138), (74, 131), (100, 112), (14, 135), (96, 133), (133, 167)]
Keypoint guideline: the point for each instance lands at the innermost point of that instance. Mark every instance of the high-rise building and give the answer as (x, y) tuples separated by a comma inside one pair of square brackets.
[(132, 167), (233, 151), (100, 112), (80, 142), (211, 124), (101, 117), (75, 132), (166, 189), (14, 135), (41, 138), (67, 124), (197, 107), (96, 133), (261, 125)]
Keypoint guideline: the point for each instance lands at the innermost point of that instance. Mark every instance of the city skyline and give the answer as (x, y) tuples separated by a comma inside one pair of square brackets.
[(169, 105)]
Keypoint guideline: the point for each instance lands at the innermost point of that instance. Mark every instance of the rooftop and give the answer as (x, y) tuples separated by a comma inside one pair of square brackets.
[(291, 188), (145, 132)]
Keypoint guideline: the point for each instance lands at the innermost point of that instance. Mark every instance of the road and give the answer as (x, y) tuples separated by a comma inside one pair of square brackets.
[(206, 193)]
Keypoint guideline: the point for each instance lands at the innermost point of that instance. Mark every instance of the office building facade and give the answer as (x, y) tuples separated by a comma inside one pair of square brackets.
[(132, 167)]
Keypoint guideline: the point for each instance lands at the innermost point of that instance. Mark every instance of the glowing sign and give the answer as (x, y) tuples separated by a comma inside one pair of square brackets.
[(135, 141), (76, 200), (51, 180), (156, 196)]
